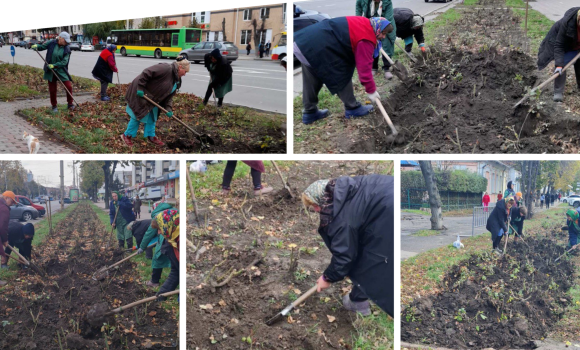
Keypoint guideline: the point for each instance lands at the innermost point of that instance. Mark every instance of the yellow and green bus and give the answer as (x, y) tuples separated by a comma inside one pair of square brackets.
[(167, 42)]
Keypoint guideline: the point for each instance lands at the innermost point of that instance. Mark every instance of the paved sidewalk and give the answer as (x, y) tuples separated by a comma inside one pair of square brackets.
[(13, 127)]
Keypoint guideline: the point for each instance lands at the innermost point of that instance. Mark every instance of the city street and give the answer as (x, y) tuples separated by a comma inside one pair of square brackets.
[(55, 208), (257, 84)]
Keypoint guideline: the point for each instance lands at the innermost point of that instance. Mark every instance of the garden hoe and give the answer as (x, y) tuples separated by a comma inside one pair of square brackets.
[(27, 263), (398, 68), (566, 252), (292, 305), (103, 272), (54, 73), (551, 79), (394, 137), (98, 313), (204, 139)]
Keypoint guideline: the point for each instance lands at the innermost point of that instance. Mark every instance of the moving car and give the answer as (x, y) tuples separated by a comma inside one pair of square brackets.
[(87, 47), (23, 212), (26, 201), (197, 53), (305, 18), (75, 45)]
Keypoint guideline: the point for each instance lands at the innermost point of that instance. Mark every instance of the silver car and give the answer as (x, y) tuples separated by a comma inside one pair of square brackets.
[(197, 53), (23, 212)]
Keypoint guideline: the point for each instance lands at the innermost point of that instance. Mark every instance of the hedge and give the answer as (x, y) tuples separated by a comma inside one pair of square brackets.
[(454, 181)]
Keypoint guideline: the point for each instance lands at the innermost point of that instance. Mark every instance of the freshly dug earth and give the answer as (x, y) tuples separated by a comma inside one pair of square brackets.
[(491, 302), (234, 129), (51, 312), (244, 229)]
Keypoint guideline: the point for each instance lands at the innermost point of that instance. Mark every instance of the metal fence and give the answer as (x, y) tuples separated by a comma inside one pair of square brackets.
[(480, 216), (417, 198)]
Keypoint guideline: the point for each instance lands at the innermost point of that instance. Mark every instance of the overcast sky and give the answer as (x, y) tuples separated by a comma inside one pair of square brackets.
[(50, 170)]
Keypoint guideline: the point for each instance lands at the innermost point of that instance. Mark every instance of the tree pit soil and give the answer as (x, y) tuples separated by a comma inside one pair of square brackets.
[(234, 129), (505, 302), (43, 312), (268, 229)]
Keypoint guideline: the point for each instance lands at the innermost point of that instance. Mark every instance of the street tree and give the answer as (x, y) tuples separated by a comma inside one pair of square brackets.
[(224, 29), (434, 198), (109, 167), (258, 29), (153, 23), (13, 176), (91, 177), (530, 171), (102, 29), (193, 23)]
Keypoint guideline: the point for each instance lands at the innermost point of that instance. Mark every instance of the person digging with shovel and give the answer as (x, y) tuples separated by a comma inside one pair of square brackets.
[(167, 225), (124, 217), (410, 25), (572, 227), (160, 83), (221, 76), (138, 230), (57, 59), (517, 217), (497, 222), (104, 68), (329, 52), (20, 236), (562, 44), (356, 224), (7, 199)]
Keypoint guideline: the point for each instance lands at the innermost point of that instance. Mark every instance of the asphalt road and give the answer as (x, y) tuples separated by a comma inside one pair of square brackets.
[(553, 9), (55, 208), (338, 8), (257, 84)]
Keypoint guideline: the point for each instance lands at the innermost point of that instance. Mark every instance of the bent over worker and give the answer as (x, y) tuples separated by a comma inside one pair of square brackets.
[(329, 52), (497, 222), (409, 27), (124, 216), (356, 224)]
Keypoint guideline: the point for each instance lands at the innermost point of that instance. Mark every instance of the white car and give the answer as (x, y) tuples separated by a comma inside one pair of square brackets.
[(87, 47), (573, 200)]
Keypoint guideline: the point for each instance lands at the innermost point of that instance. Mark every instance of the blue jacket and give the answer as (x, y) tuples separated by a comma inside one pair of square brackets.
[(125, 209)]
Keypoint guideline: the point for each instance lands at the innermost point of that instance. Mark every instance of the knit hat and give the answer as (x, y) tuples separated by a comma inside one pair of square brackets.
[(65, 36), (10, 195), (28, 230), (183, 63), (519, 194), (417, 21)]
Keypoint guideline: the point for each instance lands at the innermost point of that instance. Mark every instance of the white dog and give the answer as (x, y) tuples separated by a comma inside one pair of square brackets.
[(33, 143)]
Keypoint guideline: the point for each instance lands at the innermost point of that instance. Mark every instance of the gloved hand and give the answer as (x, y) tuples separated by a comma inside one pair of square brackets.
[(423, 49), (140, 93), (558, 70), (374, 97), (169, 114), (51, 66), (139, 251), (34, 47)]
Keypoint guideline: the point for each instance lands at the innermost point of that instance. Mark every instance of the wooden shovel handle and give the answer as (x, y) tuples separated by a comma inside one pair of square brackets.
[(386, 116), (387, 57), (19, 261), (408, 54), (282, 178), (127, 258), (142, 301), (304, 296), (114, 221), (174, 117), (26, 262)]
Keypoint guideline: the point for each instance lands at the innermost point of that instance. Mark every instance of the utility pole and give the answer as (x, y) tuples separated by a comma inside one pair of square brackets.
[(62, 184)]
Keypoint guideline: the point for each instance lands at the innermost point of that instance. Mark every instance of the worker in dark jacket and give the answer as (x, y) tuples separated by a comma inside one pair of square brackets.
[(497, 222), (159, 260), (159, 83), (562, 44), (221, 76), (329, 52), (573, 227), (138, 229), (104, 69), (57, 58), (409, 26), (356, 224), (124, 216), (517, 218), (20, 236)]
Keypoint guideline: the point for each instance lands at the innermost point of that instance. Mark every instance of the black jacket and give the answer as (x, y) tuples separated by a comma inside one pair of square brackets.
[(15, 235), (497, 219), (361, 236), (516, 220), (560, 39), (404, 21), (223, 71), (139, 229)]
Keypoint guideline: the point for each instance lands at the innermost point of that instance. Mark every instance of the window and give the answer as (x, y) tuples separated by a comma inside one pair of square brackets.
[(202, 17), (192, 36), (265, 12), (284, 13), (207, 36), (208, 46), (23, 201), (175, 40), (248, 15), (246, 37), (198, 46)]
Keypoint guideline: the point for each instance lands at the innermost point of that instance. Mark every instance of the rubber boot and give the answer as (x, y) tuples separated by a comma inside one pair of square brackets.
[(121, 244), (360, 111), (309, 118), (559, 85), (130, 243)]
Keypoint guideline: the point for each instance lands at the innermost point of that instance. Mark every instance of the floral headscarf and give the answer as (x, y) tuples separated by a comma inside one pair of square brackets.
[(379, 24), (168, 221), (315, 191), (573, 214)]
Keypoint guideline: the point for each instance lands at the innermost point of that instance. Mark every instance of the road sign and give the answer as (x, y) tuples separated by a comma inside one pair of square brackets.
[(12, 50)]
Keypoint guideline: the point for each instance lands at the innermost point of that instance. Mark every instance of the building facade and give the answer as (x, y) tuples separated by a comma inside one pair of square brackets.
[(161, 176)]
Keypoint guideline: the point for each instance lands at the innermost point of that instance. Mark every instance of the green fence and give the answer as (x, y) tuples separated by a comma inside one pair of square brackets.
[(417, 198)]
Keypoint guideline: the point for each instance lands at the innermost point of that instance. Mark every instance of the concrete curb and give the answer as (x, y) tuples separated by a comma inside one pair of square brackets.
[(40, 97), (52, 133)]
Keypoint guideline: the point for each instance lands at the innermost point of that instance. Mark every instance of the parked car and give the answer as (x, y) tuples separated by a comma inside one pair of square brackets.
[(573, 200), (305, 18), (23, 212), (196, 54), (87, 47), (75, 45), (26, 201), (23, 43), (30, 43), (67, 201)]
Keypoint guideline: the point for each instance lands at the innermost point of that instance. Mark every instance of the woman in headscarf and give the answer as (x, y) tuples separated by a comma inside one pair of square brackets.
[(356, 224), (257, 169), (262, 49), (329, 52), (509, 192), (497, 222), (221, 76), (20, 236), (104, 69), (562, 44), (167, 226), (125, 215), (573, 227), (160, 83)]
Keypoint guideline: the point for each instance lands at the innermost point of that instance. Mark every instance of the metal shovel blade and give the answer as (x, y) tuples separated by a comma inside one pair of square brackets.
[(400, 71)]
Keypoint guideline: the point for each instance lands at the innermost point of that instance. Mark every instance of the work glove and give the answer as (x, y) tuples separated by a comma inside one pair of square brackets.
[(169, 114), (558, 70), (422, 47), (140, 93), (139, 251), (51, 66), (374, 97), (34, 47)]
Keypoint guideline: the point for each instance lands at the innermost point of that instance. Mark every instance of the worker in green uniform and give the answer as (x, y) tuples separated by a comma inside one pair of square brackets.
[(121, 214), (221, 76)]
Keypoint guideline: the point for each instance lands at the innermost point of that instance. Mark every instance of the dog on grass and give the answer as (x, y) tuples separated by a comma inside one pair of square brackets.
[(32, 142)]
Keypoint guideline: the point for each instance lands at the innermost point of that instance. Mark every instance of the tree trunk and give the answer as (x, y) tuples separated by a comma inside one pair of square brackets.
[(434, 198)]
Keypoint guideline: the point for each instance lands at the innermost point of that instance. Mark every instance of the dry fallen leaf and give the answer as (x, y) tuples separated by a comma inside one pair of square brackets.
[(206, 307), (292, 245), (331, 318), (222, 303), (297, 291), (153, 313), (314, 317), (290, 319)]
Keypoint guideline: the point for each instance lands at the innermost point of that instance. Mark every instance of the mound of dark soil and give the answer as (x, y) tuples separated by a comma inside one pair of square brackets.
[(46, 312), (490, 302)]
